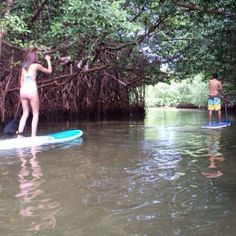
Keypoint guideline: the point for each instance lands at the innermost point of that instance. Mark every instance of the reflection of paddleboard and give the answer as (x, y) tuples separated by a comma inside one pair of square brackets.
[(24, 142), (216, 125)]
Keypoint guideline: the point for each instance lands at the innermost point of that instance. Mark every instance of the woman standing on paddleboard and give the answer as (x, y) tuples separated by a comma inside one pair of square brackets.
[(29, 91)]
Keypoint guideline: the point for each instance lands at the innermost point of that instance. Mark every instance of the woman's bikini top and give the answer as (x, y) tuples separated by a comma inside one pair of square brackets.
[(28, 75)]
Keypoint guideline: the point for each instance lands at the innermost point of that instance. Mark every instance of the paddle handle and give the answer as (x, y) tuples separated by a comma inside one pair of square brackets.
[(226, 114)]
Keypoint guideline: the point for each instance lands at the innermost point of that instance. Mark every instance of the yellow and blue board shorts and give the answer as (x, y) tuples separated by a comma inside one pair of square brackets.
[(214, 103)]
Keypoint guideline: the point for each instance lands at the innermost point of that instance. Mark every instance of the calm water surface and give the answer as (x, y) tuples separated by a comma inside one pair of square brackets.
[(164, 176)]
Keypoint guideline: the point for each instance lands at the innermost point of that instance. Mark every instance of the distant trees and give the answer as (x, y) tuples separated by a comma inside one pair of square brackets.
[(186, 92)]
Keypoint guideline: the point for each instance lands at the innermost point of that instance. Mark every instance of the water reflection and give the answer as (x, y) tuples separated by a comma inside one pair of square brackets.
[(125, 180), (35, 204), (214, 146)]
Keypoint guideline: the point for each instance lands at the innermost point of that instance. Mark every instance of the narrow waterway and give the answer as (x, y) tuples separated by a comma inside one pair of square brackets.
[(163, 176)]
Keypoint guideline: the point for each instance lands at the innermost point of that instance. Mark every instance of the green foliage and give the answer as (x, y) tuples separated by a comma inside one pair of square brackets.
[(199, 92), (69, 21), (192, 41), (13, 24), (186, 91), (209, 39), (189, 41)]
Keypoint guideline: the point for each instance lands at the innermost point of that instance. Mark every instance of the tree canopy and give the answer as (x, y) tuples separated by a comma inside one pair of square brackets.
[(191, 36), (130, 42)]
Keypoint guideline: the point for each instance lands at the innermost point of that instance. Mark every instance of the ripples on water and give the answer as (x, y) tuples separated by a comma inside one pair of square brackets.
[(124, 178)]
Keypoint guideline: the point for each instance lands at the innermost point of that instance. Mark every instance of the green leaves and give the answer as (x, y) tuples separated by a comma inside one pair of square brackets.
[(190, 40), (56, 28), (14, 24), (187, 91), (90, 19)]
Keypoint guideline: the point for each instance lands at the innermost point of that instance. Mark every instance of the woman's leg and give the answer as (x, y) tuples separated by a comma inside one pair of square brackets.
[(34, 102), (25, 107)]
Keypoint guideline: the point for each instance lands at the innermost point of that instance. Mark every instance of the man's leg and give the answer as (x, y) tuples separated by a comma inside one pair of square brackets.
[(218, 108), (210, 107), (210, 116), (219, 116)]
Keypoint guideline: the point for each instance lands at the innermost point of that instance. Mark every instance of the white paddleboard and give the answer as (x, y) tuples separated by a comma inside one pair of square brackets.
[(24, 142), (216, 125)]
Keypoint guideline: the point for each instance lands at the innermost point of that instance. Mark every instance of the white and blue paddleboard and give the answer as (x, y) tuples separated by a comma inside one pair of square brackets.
[(60, 137), (216, 125)]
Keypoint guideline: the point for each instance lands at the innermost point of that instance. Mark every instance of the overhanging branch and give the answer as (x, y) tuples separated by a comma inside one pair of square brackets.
[(37, 12), (192, 6)]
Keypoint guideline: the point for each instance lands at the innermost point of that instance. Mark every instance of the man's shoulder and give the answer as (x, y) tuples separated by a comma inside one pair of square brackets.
[(215, 80)]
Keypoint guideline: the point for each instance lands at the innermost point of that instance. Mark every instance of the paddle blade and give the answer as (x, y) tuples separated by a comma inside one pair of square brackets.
[(11, 127)]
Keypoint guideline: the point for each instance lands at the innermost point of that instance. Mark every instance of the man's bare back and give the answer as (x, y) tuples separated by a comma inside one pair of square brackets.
[(215, 87)]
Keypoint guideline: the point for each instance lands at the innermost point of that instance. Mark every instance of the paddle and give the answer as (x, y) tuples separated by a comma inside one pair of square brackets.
[(226, 114), (12, 126)]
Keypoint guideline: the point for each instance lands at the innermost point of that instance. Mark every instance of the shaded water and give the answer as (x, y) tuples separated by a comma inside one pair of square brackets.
[(163, 176)]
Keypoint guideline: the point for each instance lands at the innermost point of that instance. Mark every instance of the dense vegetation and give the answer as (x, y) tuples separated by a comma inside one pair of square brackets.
[(105, 52), (184, 94)]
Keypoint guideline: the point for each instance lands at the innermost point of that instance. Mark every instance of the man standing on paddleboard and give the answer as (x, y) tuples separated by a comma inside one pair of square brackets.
[(216, 92)]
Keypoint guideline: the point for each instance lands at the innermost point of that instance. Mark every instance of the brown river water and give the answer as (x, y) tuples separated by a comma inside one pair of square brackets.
[(162, 176)]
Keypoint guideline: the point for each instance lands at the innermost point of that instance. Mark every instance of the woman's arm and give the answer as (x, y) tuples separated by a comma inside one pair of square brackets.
[(43, 69)]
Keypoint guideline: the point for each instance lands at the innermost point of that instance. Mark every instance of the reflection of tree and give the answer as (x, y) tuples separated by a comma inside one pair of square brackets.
[(35, 204), (214, 137)]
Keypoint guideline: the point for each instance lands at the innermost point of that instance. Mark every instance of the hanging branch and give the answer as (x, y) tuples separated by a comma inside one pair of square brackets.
[(192, 6), (141, 38), (8, 79), (37, 12), (12, 46)]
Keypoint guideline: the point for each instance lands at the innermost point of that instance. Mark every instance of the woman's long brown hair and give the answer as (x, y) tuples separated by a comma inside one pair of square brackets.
[(30, 58)]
